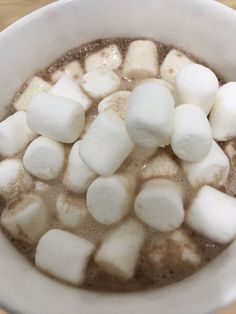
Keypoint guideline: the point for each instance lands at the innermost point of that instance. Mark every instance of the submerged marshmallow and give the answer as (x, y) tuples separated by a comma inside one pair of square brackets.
[(213, 214), (150, 115), (212, 170), (110, 199), (36, 85), (191, 138), (78, 176), (119, 251), (198, 85), (106, 144), (109, 57), (68, 88), (15, 134), (64, 255), (223, 113), (44, 158), (73, 69), (100, 82), (141, 60), (13, 178), (159, 204), (56, 117), (172, 64), (71, 210)]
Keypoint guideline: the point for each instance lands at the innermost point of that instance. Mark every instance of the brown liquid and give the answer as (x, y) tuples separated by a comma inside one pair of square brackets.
[(146, 276)]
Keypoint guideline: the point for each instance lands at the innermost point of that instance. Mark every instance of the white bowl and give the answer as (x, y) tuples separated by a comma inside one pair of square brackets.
[(204, 28)]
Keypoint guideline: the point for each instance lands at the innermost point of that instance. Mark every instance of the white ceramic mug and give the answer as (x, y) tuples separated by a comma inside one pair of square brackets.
[(204, 28)]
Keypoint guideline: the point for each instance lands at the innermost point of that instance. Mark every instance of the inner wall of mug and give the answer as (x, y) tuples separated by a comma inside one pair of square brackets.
[(204, 29)]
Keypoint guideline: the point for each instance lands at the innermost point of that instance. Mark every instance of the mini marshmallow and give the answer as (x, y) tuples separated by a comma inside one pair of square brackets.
[(73, 69), (35, 86), (213, 214), (159, 204), (44, 158), (117, 102), (211, 170), (159, 81), (223, 113), (68, 88), (100, 82), (13, 178), (198, 85), (191, 138), (58, 118), (141, 60), (230, 150), (15, 134), (106, 144), (27, 218), (109, 57), (150, 115), (78, 176), (119, 251), (162, 165), (64, 256), (110, 199), (71, 211), (172, 64)]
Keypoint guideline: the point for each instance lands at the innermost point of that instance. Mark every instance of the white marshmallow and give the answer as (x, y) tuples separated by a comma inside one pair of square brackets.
[(141, 60), (109, 57), (68, 88), (198, 85), (159, 81), (27, 218), (230, 150), (64, 255), (71, 211), (119, 251), (150, 115), (213, 214), (117, 102), (191, 138), (56, 117), (78, 176), (44, 158), (15, 134), (13, 178), (100, 82), (36, 85), (110, 199), (73, 69), (223, 113), (159, 204), (172, 64), (106, 144), (212, 170)]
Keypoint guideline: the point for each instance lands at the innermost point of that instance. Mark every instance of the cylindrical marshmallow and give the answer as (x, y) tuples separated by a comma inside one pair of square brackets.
[(64, 255), (141, 60), (150, 115), (106, 144), (213, 214), (159, 81), (27, 218), (100, 82), (73, 69), (223, 113), (198, 85), (159, 204), (44, 158), (119, 251), (58, 118), (212, 170), (78, 176), (13, 178), (110, 199), (15, 134), (191, 138)]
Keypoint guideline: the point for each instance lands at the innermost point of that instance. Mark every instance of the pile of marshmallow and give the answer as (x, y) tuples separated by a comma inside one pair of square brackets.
[(171, 110)]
